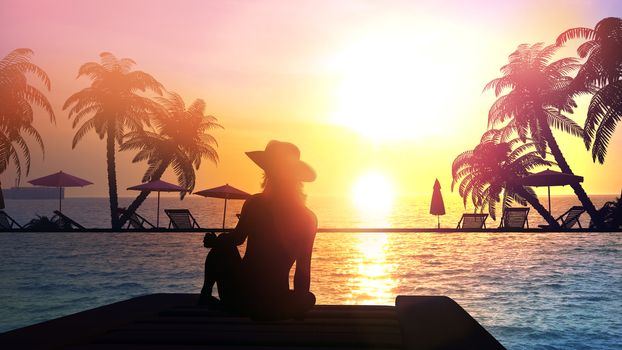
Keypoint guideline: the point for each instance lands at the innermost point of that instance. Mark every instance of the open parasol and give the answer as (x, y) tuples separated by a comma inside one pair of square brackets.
[(158, 186), (550, 178), (225, 192), (60, 180)]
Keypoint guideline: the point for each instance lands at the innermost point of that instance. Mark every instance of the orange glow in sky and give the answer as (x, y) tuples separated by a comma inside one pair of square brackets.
[(357, 85)]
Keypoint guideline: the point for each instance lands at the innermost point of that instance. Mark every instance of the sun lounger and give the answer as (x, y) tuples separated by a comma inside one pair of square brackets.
[(474, 221), (7, 223), (67, 222), (514, 218), (181, 219), (135, 220), (569, 218)]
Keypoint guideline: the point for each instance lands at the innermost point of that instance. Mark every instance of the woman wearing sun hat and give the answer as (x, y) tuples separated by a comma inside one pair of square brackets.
[(280, 230)]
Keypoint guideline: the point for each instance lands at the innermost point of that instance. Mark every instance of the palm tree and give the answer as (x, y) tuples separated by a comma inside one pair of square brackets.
[(110, 106), (182, 141), (493, 169), (540, 91), (17, 99), (601, 75), (611, 213)]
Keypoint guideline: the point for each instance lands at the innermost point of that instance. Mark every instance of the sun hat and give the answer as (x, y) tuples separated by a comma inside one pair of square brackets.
[(282, 158)]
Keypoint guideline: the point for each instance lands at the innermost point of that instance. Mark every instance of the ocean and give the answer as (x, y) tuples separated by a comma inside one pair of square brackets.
[(530, 290)]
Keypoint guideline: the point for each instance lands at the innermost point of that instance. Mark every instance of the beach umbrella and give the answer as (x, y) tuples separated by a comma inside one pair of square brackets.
[(60, 180), (550, 178), (437, 207), (158, 186), (225, 192)]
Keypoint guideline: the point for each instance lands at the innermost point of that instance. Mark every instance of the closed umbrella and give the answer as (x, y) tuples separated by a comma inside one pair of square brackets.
[(437, 207), (60, 180), (550, 178), (225, 192), (158, 186)]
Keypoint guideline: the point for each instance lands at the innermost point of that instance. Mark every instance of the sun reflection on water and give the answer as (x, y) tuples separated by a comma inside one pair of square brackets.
[(373, 282)]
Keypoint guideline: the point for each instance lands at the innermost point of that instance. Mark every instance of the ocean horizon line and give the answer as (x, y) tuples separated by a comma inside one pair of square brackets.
[(319, 195)]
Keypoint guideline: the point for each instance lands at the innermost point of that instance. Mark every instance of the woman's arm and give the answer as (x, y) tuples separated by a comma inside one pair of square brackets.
[(302, 276), (237, 236), (240, 232)]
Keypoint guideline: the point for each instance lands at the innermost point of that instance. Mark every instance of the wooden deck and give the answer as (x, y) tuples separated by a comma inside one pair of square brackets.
[(173, 321)]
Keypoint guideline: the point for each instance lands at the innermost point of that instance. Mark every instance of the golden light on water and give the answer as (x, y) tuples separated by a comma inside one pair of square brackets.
[(373, 195), (373, 283)]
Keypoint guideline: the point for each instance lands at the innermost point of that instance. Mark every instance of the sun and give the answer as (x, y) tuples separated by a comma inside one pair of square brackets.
[(373, 194)]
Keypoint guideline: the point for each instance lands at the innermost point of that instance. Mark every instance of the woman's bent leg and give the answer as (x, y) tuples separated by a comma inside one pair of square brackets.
[(221, 267)]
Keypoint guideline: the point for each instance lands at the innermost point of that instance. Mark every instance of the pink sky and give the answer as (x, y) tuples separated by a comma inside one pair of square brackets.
[(264, 68)]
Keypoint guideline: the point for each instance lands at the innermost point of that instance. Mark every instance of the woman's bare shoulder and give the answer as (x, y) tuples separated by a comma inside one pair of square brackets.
[(311, 218), (253, 200)]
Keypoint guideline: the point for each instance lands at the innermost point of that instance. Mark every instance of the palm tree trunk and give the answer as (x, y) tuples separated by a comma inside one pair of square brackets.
[(565, 168), (535, 203), (112, 175), (138, 201)]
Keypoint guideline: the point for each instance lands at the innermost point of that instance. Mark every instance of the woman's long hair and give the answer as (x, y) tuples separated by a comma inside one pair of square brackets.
[(284, 189)]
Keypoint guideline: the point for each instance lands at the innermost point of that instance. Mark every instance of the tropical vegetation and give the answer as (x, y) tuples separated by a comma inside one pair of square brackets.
[(491, 173), (540, 91), (611, 212), (600, 75), (18, 102), (111, 106), (181, 141), (44, 223)]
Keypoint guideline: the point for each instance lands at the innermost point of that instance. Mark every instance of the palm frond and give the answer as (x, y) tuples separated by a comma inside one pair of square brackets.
[(575, 33), (563, 123), (82, 131), (604, 112), (586, 48)]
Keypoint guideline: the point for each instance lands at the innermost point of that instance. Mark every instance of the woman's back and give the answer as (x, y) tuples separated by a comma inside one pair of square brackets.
[(278, 235)]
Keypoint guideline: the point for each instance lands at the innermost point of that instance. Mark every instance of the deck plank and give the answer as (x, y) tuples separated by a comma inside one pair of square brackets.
[(432, 322), (266, 327), (360, 312), (240, 320), (204, 347), (248, 338), (174, 321)]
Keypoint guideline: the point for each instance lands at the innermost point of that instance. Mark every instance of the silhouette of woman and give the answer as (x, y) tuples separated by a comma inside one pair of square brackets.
[(280, 230)]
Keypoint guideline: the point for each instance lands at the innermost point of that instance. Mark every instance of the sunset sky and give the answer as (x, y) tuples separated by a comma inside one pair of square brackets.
[(391, 88)]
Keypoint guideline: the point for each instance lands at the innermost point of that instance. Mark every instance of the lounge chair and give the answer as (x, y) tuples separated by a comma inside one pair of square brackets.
[(474, 221), (515, 218), (181, 219), (136, 221), (66, 222), (569, 218), (7, 223)]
